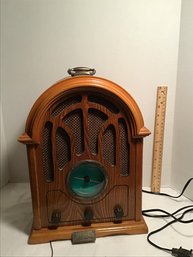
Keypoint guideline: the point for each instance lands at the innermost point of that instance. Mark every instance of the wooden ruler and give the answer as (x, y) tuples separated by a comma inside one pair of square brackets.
[(158, 138)]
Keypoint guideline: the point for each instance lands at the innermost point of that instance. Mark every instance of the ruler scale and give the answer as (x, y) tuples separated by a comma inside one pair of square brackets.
[(158, 138)]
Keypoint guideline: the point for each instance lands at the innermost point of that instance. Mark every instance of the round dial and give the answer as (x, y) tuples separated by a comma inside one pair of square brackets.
[(87, 179)]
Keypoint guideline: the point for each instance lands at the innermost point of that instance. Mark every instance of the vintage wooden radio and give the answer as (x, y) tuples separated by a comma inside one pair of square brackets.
[(84, 138)]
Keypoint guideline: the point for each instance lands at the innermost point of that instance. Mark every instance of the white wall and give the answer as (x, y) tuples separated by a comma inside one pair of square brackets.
[(182, 168), (133, 43), (4, 174)]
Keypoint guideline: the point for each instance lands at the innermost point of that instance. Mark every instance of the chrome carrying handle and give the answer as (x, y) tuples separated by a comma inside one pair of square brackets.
[(78, 71)]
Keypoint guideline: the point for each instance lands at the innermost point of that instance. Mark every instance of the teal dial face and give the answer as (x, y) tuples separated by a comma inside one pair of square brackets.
[(87, 179)]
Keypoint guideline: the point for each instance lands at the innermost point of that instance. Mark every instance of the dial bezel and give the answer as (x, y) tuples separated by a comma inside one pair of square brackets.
[(100, 193)]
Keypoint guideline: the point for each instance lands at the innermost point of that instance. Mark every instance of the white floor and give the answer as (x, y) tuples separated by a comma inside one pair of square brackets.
[(16, 218)]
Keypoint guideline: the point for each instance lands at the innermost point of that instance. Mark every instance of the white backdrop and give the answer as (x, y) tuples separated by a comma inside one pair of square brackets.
[(133, 43), (182, 161)]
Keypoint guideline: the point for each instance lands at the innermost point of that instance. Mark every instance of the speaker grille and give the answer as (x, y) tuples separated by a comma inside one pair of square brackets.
[(109, 145), (124, 148), (48, 167), (96, 119), (85, 122), (62, 148), (65, 104), (104, 102), (74, 120)]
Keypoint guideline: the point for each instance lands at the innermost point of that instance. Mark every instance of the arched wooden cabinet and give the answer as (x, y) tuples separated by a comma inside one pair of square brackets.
[(84, 138)]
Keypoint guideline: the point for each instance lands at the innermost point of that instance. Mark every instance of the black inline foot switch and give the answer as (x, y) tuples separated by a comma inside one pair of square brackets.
[(181, 252)]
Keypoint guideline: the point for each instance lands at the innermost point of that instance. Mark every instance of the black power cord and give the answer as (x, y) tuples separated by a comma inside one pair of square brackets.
[(51, 249), (171, 196), (181, 252)]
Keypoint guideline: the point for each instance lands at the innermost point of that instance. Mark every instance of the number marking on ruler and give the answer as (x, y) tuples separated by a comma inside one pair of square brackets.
[(158, 138)]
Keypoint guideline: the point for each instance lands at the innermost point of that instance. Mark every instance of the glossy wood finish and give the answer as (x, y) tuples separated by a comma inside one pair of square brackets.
[(113, 112), (102, 229)]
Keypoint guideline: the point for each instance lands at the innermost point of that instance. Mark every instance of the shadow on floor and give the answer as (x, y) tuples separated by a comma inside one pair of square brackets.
[(16, 210)]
